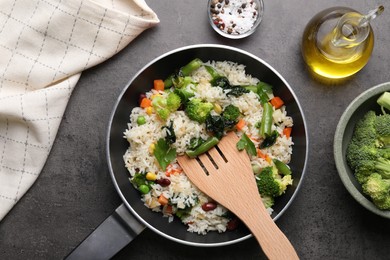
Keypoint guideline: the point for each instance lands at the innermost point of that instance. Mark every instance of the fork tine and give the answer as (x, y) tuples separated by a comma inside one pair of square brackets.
[(229, 144), (189, 165), (207, 163), (194, 171), (217, 158)]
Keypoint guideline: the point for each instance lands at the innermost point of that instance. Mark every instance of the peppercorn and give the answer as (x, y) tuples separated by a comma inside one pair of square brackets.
[(214, 11)]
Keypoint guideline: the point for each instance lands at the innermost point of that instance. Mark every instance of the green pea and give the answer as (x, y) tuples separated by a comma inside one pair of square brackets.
[(141, 120), (144, 188)]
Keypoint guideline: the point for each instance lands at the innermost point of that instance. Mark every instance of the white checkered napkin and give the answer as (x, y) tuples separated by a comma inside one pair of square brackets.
[(44, 46)]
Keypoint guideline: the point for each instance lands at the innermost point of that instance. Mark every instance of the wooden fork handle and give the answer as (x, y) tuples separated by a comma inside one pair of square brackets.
[(271, 239)]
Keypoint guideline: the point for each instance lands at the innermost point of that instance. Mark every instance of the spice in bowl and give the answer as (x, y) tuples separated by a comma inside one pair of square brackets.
[(235, 18)]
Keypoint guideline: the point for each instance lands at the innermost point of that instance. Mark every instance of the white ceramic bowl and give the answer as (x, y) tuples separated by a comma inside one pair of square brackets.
[(241, 17)]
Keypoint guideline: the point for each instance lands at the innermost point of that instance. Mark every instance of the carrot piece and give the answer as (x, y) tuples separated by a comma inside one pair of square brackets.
[(277, 102), (168, 210), (145, 102), (162, 200), (240, 125), (171, 170), (287, 132), (260, 154), (168, 170), (158, 84)]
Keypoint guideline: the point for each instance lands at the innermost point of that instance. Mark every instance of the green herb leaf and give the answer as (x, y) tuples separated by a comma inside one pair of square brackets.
[(170, 137), (195, 143), (269, 140), (247, 144), (216, 125), (164, 153)]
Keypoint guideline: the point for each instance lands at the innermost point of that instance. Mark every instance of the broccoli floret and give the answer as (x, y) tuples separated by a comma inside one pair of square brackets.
[(384, 101), (361, 176), (163, 113), (357, 153), (268, 201), (198, 110), (173, 102), (283, 183), (159, 104), (231, 113), (270, 183), (184, 93), (383, 204), (159, 101), (366, 167), (267, 184), (384, 153), (381, 166), (165, 105), (376, 187), (365, 132), (382, 127)]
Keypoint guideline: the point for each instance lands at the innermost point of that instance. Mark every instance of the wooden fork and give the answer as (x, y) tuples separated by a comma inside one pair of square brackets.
[(225, 174)]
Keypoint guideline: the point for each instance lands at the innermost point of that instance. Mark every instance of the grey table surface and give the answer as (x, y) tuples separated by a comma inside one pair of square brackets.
[(74, 192)]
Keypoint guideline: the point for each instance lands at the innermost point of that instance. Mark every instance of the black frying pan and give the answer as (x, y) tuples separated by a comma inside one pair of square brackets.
[(128, 225)]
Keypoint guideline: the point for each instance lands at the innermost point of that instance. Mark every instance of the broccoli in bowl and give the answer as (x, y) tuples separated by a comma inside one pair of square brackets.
[(368, 153)]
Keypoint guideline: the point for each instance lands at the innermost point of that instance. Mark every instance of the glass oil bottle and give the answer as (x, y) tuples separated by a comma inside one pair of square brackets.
[(338, 42)]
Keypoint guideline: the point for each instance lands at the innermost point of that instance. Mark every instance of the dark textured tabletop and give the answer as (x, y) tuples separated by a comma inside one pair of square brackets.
[(74, 192)]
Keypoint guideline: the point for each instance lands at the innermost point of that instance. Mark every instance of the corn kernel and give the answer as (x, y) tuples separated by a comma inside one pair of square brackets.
[(268, 159), (217, 108), (151, 148), (154, 95), (150, 176), (149, 110)]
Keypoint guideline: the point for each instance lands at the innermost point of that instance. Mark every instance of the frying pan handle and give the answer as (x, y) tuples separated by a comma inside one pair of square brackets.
[(109, 237)]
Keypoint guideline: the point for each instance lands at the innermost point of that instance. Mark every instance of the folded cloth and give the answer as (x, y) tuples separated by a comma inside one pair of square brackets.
[(44, 47)]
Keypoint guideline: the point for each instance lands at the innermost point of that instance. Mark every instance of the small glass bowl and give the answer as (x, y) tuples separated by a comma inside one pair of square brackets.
[(239, 17)]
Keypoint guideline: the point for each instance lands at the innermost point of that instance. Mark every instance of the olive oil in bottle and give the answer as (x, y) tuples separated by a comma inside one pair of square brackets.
[(338, 42)]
